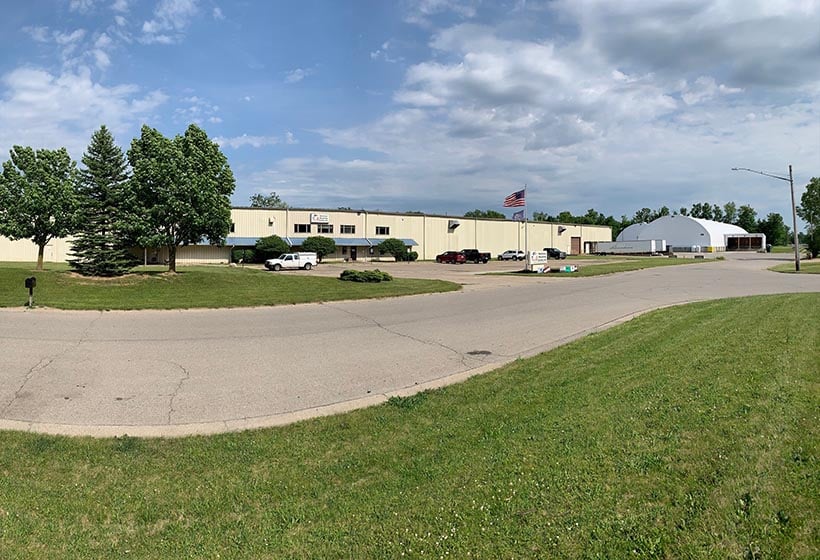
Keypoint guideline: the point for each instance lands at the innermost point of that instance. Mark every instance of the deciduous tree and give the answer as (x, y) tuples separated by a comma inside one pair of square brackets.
[(271, 247), (182, 188), (38, 196), (320, 245), (272, 200), (747, 218), (809, 210), (484, 214)]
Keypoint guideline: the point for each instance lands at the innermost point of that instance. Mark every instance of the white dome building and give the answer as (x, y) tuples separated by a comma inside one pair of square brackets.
[(684, 233)]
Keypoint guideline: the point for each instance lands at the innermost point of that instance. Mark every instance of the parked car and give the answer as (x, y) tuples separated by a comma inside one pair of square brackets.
[(451, 257), (512, 255), (291, 261), (476, 256), (555, 253)]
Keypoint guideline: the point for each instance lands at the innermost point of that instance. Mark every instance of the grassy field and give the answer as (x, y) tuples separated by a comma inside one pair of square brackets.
[(806, 267), (691, 432), (153, 288)]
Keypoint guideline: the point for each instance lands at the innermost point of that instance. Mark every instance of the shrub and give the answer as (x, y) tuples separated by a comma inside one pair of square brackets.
[(320, 245), (271, 247), (365, 276), (394, 247), (244, 254), (412, 256)]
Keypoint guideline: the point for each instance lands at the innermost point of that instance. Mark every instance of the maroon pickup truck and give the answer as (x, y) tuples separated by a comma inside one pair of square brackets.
[(451, 257)]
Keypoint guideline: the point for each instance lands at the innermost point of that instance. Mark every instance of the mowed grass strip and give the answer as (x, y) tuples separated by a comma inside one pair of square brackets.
[(600, 269), (691, 432), (193, 287), (806, 267)]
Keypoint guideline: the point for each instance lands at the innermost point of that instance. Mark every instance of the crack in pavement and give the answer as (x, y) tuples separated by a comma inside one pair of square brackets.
[(39, 366), (175, 393), (463, 358)]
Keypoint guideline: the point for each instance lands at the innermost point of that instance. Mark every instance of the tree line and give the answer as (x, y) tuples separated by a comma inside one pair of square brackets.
[(165, 192), (744, 216)]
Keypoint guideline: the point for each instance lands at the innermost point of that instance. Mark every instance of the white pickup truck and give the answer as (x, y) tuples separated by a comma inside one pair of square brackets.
[(292, 260)]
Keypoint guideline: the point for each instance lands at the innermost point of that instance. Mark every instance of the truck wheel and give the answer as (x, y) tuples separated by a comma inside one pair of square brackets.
[(307, 266), (277, 267), (485, 261)]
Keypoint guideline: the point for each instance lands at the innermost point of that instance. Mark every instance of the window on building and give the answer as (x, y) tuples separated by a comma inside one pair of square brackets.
[(382, 230), (344, 250), (233, 227), (324, 228), (301, 228), (347, 229)]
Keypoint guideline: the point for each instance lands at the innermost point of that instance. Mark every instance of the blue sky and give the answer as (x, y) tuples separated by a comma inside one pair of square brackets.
[(441, 106)]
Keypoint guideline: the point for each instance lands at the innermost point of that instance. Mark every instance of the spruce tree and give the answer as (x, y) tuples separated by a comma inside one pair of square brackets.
[(101, 246)]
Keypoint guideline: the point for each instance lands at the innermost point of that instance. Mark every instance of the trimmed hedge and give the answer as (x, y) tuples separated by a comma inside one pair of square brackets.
[(365, 276)]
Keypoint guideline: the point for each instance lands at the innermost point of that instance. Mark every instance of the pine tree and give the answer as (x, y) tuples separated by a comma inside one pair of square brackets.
[(101, 246)]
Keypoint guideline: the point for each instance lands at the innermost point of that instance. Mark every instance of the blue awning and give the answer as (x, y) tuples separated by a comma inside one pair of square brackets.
[(340, 241), (407, 241), (241, 241)]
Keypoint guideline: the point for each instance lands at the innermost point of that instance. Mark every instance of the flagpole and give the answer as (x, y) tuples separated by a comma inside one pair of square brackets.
[(526, 244)]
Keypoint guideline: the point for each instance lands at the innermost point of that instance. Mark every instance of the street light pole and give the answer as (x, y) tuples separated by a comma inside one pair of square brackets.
[(790, 179)]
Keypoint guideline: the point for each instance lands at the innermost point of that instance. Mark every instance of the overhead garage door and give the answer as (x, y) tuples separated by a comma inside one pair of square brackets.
[(575, 246)]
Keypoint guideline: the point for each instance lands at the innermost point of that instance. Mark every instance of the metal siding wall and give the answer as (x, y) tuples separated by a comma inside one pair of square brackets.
[(203, 254), (430, 232)]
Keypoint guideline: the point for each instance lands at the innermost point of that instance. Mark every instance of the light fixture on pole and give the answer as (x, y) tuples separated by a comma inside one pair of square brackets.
[(790, 179)]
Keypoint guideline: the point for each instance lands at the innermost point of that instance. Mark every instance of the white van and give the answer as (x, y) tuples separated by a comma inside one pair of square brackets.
[(292, 260)]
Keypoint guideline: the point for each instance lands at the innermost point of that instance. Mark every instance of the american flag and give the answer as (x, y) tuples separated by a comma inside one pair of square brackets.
[(518, 216), (515, 199)]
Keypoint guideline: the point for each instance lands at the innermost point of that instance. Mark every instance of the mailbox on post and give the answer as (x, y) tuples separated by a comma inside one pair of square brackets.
[(30, 283)]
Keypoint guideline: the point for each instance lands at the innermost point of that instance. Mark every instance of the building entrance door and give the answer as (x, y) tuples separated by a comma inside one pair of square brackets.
[(353, 253)]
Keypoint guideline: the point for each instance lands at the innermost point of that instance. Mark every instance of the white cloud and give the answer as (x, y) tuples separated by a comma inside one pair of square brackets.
[(383, 53), (217, 13), (120, 6), (69, 38), (420, 12), (705, 88), (618, 118), (171, 19), (81, 6), (120, 20), (254, 141), (41, 109), (198, 110), (38, 33), (297, 75)]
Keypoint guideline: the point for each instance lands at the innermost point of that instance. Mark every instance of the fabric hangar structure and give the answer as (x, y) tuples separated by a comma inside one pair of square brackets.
[(685, 233)]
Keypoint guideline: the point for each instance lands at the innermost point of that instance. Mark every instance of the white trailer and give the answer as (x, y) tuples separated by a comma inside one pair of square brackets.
[(638, 247)]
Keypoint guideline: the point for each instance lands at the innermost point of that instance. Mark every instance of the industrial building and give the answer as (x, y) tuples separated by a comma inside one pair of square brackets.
[(685, 233), (357, 234)]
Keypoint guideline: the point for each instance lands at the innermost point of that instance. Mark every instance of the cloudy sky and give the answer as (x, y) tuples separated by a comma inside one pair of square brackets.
[(441, 106)]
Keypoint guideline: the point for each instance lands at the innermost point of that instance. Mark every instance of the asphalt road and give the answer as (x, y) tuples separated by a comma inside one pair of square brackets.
[(173, 373)]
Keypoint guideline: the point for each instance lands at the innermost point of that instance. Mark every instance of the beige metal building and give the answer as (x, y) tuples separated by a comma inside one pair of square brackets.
[(357, 233)]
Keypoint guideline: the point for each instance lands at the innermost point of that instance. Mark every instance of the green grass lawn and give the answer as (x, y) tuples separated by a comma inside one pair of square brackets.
[(153, 288), (690, 432), (806, 267)]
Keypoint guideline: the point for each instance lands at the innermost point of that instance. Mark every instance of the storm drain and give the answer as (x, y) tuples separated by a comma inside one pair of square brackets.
[(479, 353)]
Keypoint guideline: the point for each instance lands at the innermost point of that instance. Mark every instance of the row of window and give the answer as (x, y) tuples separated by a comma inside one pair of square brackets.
[(328, 228)]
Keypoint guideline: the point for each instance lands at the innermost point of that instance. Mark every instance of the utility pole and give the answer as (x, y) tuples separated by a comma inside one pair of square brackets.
[(790, 179)]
